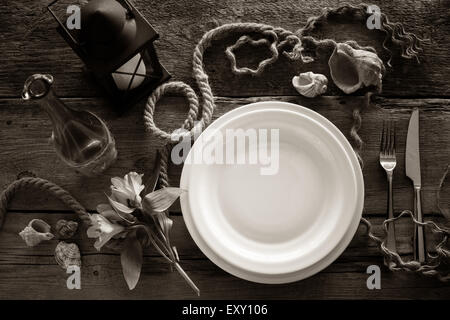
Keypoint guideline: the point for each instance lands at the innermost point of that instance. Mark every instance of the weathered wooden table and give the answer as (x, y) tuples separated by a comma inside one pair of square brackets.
[(29, 44)]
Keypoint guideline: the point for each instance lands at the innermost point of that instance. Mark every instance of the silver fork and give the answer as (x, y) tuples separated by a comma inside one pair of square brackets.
[(388, 161)]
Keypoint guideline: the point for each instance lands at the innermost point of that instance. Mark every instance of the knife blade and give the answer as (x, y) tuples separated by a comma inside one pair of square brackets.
[(412, 157), (412, 165)]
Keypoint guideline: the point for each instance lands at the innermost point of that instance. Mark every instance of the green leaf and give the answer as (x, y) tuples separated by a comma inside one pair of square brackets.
[(160, 200), (131, 259)]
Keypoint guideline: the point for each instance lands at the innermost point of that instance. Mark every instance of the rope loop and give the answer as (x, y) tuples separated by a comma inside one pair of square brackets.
[(171, 87), (247, 39)]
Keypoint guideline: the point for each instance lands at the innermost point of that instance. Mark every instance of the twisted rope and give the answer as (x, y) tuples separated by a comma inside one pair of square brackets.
[(395, 263), (201, 77), (358, 143), (208, 105), (171, 87), (394, 32), (279, 39), (44, 185)]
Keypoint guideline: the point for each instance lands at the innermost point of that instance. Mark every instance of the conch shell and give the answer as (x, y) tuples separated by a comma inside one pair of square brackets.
[(66, 229), (352, 69), (67, 254), (310, 84), (35, 232)]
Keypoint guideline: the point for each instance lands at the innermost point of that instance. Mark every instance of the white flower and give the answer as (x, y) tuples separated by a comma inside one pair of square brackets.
[(102, 229), (126, 191), (121, 210)]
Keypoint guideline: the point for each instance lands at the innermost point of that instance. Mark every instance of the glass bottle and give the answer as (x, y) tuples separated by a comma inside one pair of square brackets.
[(81, 139)]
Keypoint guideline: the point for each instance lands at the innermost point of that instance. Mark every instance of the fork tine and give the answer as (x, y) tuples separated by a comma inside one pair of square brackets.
[(383, 138), (395, 138), (388, 135), (392, 147)]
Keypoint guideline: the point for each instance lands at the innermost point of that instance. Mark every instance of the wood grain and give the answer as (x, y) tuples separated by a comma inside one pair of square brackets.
[(32, 273), (104, 280), (14, 250), (30, 44), (25, 149)]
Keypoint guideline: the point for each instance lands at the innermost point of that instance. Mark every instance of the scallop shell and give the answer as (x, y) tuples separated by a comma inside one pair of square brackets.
[(67, 254), (352, 69), (66, 229), (310, 84), (35, 232)]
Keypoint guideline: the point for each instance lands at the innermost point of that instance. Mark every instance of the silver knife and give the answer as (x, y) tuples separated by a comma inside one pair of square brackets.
[(412, 162)]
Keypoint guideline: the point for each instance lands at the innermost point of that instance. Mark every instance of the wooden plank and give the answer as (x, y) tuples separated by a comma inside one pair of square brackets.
[(104, 281), (24, 272), (25, 149), (14, 251), (30, 44)]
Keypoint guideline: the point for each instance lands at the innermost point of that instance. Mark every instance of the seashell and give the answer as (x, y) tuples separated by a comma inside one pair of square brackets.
[(66, 229), (35, 232), (352, 69), (310, 84), (67, 254)]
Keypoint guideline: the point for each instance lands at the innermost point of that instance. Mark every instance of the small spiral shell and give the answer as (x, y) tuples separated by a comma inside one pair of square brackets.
[(35, 232), (310, 84)]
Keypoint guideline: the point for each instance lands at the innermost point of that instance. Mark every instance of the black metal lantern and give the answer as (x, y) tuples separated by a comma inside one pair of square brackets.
[(116, 44)]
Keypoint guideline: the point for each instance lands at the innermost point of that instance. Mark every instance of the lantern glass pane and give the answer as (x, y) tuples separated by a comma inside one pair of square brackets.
[(142, 69)]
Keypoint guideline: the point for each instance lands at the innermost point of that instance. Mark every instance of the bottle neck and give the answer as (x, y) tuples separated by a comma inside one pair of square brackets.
[(57, 111), (38, 87)]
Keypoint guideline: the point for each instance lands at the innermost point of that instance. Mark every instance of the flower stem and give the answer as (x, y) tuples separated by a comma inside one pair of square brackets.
[(186, 277)]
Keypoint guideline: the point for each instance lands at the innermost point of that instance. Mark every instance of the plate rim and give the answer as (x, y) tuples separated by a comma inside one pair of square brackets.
[(313, 268)]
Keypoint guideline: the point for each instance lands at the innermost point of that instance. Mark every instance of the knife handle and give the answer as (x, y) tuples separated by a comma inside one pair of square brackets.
[(419, 234)]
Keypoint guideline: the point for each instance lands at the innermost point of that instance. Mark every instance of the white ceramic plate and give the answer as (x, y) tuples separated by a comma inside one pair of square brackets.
[(278, 227)]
